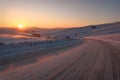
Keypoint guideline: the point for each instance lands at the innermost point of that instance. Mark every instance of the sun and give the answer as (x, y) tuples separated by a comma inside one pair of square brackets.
[(20, 26)]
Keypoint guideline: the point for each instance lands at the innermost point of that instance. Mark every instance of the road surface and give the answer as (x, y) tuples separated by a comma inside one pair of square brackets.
[(93, 60)]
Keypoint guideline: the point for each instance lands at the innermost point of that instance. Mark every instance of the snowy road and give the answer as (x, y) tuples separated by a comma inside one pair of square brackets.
[(93, 60)]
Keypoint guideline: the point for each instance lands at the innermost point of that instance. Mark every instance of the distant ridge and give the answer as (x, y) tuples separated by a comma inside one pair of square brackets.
[(85, 30)]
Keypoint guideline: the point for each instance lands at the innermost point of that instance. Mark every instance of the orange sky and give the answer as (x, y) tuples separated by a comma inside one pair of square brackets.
[(14, 17), (57, 13)]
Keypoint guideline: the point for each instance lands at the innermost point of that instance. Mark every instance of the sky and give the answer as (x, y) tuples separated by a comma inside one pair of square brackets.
[(58, 13)]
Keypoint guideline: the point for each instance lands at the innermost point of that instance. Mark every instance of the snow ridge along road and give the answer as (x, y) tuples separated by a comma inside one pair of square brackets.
[(93, 60), (12, 53)]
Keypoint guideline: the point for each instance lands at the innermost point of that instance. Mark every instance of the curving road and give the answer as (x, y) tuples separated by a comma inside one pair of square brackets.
[(93, 60)]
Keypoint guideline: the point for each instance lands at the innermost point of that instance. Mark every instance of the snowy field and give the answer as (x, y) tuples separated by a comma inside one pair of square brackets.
[(11, 51), (113, 37), (109, 38), (7, 39)]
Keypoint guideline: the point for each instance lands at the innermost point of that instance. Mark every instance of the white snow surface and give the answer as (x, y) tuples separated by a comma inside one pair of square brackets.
[(7, 39), (10, 51)]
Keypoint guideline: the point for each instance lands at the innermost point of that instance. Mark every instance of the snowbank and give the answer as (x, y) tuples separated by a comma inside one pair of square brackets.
[(11, 51)]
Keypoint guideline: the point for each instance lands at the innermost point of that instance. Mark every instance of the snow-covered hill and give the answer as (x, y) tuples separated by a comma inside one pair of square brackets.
[(7, 39), (43, 31), (91, 30), (11, 31), (74, 33)]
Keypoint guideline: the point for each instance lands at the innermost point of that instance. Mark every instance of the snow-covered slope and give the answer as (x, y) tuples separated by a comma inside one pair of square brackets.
[(90, 30), (12, 35), (80, 32), (9, 52), (12, 31), (7, 39), (108, 37), (42, 31)]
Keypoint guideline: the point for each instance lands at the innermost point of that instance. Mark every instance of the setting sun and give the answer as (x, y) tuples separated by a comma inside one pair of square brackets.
[(20, 26)]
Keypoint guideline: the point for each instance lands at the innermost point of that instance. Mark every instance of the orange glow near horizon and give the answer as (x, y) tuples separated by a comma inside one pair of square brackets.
[(21, 27), (29, 18)]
